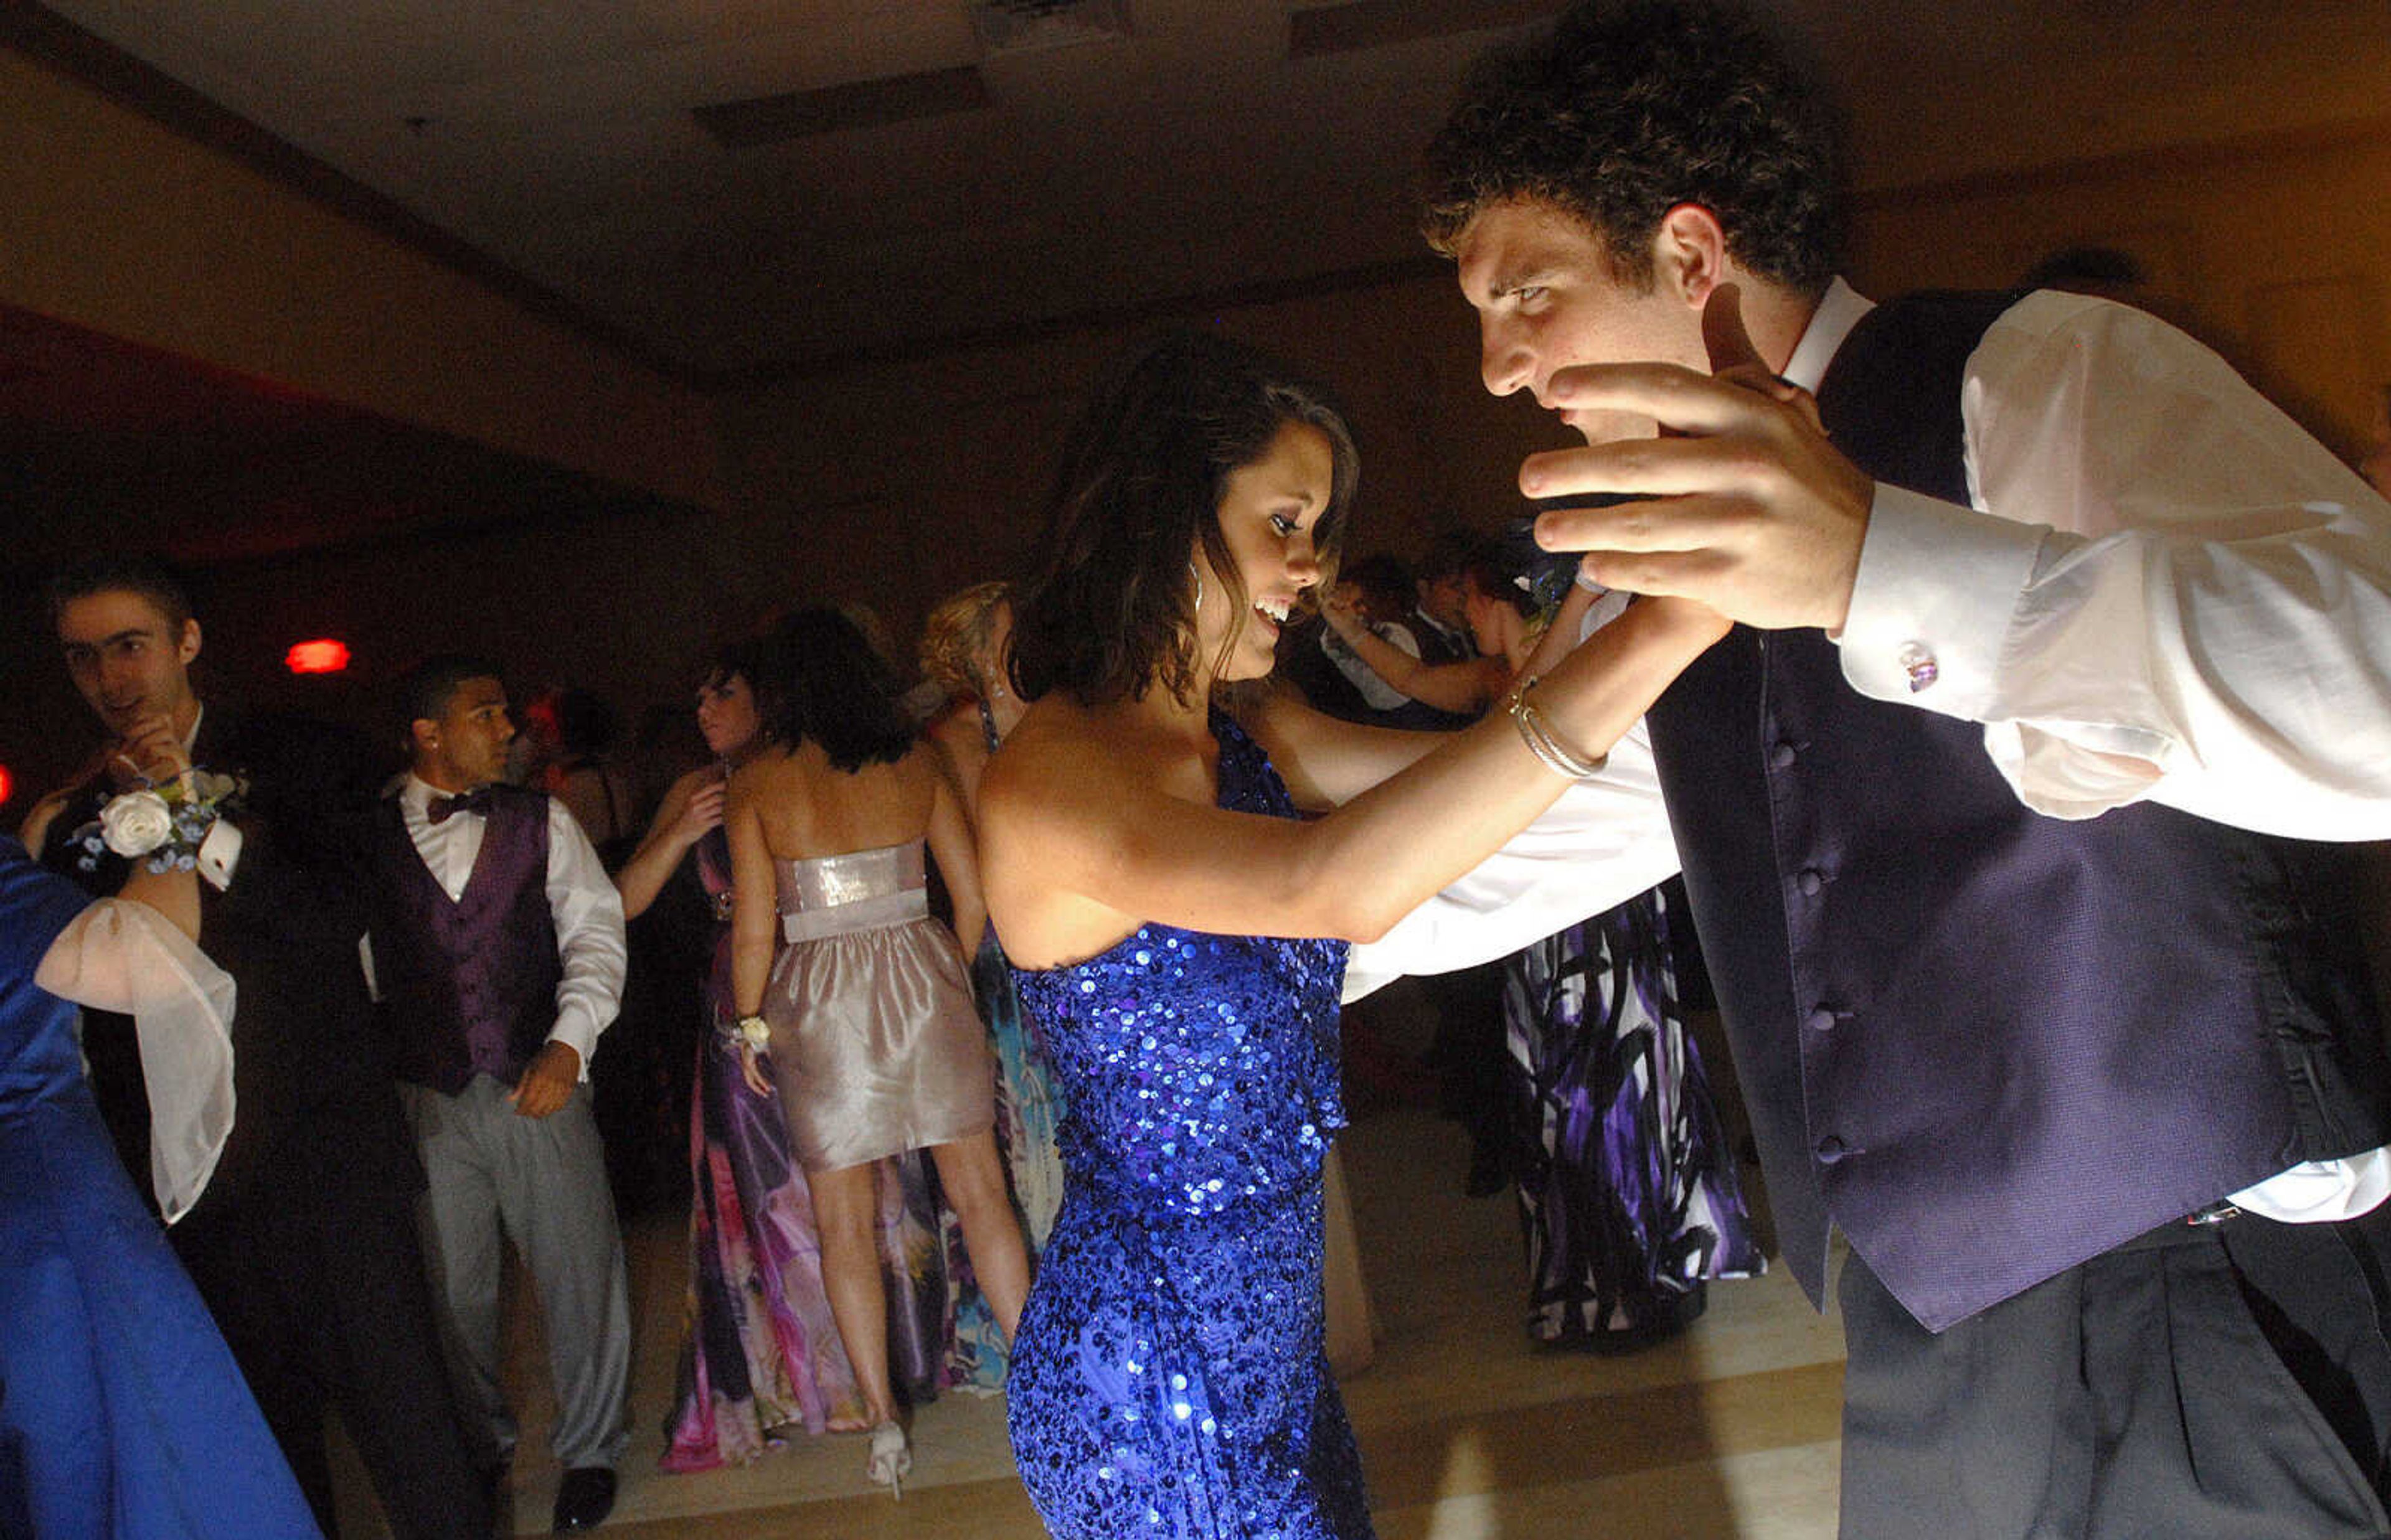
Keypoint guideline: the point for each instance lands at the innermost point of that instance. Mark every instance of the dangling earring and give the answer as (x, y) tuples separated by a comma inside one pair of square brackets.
[(1199, 583)]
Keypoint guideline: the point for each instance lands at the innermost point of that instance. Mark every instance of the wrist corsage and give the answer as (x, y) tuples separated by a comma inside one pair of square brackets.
[(166, 821), (755, 1031)]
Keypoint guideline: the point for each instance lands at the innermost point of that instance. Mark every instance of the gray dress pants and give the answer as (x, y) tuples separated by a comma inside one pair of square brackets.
[(2227, 1382), (496, 1176)]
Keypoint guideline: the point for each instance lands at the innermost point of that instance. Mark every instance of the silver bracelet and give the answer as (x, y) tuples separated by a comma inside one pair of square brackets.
[(1551, 750), (1538, 735)]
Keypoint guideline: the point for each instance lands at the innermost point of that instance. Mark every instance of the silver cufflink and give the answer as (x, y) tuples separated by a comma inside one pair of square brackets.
[(1919, 663)]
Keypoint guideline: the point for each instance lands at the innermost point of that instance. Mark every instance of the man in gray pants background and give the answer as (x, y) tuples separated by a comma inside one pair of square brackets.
[(498, 943)]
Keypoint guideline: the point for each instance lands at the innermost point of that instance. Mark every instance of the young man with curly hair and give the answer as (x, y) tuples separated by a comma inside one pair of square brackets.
[(2061, 653)]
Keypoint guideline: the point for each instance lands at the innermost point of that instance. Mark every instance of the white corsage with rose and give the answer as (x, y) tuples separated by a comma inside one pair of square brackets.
[(164, 821)]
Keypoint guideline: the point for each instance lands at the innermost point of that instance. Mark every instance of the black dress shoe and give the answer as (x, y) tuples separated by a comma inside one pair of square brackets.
[(584, 1498)]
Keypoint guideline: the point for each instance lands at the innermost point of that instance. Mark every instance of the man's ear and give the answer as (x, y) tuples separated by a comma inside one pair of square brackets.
[(1689, 253), (424, 735), (187, 648)]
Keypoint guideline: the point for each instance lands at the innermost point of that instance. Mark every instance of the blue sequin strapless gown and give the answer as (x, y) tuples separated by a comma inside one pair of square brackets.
[(1167, 1380)]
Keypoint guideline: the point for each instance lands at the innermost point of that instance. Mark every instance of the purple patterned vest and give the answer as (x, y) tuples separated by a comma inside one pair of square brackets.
[(470, 983), (1988, 1044)]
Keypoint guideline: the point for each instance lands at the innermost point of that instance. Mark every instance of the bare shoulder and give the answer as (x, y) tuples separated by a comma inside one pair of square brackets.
[(924, 767), (761, 777), (1058, 766), (953, 728), (1021, 772)]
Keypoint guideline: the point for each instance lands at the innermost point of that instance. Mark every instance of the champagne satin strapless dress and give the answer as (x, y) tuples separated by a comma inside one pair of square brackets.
[(875, 1043)]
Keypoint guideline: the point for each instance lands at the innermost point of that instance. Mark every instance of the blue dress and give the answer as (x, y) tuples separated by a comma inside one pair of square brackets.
[(122, 1413), (1168, 1379)]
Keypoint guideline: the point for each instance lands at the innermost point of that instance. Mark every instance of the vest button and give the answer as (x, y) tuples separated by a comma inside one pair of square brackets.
[(1831, 1149), (1781, 757), (1822, 1019), (1809, 882)]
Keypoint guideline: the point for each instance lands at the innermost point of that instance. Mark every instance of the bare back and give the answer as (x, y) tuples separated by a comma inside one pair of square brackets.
[(807, 809)]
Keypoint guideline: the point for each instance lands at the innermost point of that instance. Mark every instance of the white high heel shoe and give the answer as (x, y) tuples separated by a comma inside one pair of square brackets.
[(892, 1458)]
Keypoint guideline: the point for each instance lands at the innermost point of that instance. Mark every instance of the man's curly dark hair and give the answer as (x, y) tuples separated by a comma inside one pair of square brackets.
[(1622, 109)]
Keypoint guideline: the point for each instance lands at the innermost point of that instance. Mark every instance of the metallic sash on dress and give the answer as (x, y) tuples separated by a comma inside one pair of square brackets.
[(864, 889)]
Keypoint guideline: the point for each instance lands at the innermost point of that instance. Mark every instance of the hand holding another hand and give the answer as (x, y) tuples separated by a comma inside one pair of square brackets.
[(1743, 503)]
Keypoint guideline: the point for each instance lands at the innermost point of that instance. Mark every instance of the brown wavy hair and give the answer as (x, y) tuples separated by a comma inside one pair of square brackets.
[(1110, 609), (1621, 109)]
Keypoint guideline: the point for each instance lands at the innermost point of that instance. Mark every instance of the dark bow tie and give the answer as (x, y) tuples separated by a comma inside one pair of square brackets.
[(441, 809)]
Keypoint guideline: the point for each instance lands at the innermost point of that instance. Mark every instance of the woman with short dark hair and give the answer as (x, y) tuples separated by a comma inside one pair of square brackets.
[(866, 1011), (760, 1351)]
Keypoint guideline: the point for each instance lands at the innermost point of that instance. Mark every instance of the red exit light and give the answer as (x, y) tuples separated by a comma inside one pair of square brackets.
[(7, 784), (321, 656)]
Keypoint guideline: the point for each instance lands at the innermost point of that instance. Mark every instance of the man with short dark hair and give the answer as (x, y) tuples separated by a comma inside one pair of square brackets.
[(2043, 610), (303, 1244), (497, 947)]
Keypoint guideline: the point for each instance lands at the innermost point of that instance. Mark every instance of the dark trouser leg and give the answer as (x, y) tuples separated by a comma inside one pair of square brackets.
[(376, 1345), (235, 1257), (2133, 1395), (2318, 1293), (1468, 1056)]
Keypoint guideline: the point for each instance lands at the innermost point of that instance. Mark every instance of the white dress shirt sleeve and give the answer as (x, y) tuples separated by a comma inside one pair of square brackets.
[(588, 915), (2165, 588), (1606, 841)]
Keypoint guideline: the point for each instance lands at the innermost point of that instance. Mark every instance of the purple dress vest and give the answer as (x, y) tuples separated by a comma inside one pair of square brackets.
[(469, 982), (1988, 1044)]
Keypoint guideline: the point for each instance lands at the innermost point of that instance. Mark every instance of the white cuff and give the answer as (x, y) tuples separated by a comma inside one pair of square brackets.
[(219, 853), (1931, 605), (575, 1030)]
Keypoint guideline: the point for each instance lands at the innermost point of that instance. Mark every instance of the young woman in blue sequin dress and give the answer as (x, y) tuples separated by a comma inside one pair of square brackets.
[(1179, 935)]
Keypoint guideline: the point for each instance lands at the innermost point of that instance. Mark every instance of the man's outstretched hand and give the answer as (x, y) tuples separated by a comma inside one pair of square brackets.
[(1744, 505)]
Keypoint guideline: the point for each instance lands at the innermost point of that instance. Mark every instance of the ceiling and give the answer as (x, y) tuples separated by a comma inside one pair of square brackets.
[(560, 148), (560, 138), (586, 158)]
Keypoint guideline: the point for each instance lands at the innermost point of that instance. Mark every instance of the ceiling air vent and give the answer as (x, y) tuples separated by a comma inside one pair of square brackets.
[(859, 104), (1017, 26), (1343, 29)]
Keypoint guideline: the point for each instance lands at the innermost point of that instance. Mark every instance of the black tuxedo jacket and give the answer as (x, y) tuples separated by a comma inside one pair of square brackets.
[(318, 1109)]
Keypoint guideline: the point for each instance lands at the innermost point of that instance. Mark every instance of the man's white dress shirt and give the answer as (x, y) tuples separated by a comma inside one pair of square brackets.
[(2162, 588)]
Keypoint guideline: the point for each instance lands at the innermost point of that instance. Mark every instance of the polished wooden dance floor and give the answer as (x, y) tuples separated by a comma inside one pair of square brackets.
[(1466, 1432)]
